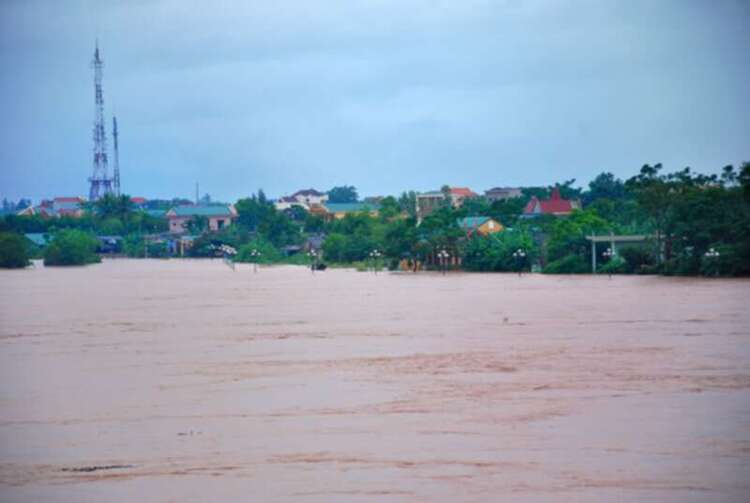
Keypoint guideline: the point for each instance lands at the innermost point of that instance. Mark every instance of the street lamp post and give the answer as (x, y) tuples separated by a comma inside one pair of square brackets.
[(713, 255), (255, 254), (519, 255), (608, 254), (374, 256), (443, 259), (313, 259)]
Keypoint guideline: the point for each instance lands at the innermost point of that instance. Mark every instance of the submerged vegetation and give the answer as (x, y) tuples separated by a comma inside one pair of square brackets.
[(71, 247), (14, 251), (694, 224)]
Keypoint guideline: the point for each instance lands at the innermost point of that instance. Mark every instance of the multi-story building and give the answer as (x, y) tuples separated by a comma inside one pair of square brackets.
[(502, 193), (427, 202)]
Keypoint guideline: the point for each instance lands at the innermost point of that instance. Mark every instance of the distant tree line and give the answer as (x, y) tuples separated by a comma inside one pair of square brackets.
[(688, 214)]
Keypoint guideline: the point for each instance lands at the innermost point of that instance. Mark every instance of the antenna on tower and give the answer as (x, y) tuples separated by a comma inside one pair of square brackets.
[(117, 158), (196, 193), (100, 181)]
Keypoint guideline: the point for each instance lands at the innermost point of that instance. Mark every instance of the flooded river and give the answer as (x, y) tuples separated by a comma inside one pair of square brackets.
[(188, 381)]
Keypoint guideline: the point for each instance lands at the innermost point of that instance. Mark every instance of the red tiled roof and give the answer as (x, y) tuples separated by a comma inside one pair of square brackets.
[(68, 200), (463, 191), (554, 205), (138, 200)]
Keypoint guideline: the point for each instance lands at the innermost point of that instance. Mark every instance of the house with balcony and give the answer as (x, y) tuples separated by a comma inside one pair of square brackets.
[(502, 193), (427, 202)]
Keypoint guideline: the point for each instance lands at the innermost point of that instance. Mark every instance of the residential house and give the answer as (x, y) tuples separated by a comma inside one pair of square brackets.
[(156, 213), (459, 194), (555, 205), (286, 202), (480, 225), (305, 198), (38, 239), (217, 215), (57, 207), (427, 202), (139, 202), (310, 197), (502, 193)]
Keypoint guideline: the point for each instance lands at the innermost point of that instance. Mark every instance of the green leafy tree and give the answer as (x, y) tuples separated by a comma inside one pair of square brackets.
[(692, 213), (112, 206), (744, 179), (407, 202), (314, 224), (638, 259), (268, 253), (334, 248), (495, 252), (389, 208), (604, 186), (111, 227), (475, 207), (343, 194), (71, 247), (507, 211), (198, 224), (258, 215), (14, 251), (567, 236)]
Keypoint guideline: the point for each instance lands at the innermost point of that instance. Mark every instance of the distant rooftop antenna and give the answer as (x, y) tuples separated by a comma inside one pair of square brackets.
[(100, 182), (117, 158), (196, 193)]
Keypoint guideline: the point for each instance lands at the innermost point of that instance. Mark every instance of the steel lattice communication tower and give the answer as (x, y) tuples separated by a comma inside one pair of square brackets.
[(117, 158), (101, 183)]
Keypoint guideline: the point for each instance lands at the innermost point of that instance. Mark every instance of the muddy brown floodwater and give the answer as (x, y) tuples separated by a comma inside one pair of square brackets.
[(187, 381)]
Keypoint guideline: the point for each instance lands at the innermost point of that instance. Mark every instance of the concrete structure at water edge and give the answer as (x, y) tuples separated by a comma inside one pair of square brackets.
[(613, 239)]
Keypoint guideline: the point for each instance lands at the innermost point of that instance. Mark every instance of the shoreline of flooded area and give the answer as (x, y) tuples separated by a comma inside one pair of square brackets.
[(185, 380)]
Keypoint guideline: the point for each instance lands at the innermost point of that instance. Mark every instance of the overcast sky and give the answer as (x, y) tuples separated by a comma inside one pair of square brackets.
[(386, 95)]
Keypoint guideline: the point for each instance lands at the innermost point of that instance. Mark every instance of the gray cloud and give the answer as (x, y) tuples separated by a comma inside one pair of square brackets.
[(385, 95)]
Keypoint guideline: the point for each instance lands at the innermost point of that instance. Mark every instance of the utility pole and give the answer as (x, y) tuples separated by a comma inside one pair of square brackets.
[(117, 158)]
